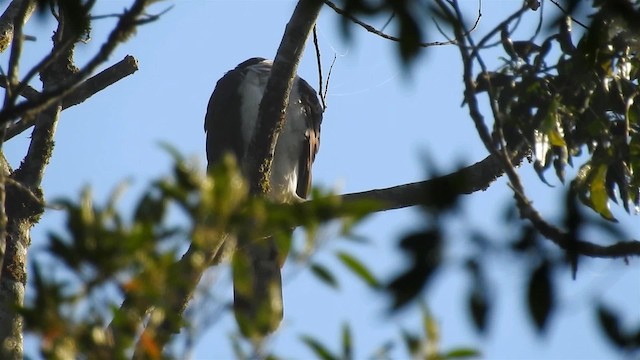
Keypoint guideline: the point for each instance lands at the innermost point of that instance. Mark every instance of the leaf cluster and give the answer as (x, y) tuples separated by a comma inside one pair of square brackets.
[(583, 102)]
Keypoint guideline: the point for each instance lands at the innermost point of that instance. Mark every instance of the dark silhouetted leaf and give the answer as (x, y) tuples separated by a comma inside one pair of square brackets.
[(426, 250), (324, 275), (412, 342), (610, 325), (540, 296), (478, 302)]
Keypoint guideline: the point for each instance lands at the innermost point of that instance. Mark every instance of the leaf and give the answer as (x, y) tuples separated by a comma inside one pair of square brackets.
[(412, 343), (425, 247), (540, 296), (478, 304), (323, 274), (430, 326), (318, 348), (462, 353), (358, 268), (610, 324), (598, 192), (478, 296), (347, 347)]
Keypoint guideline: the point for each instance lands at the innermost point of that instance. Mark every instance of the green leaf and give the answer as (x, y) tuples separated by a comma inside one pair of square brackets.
[(598, 191), (430, 326), (324, 275), (358, 268), (462, 353), (412, 343), (318, 348), (347, 347)]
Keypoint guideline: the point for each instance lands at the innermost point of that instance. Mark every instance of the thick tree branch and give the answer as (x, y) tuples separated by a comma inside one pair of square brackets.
[(30, 173), (468, 180), (271, 116), (84, 91), (8, 18)]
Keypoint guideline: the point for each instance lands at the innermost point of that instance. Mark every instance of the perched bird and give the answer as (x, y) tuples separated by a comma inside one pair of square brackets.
[(230, 124)]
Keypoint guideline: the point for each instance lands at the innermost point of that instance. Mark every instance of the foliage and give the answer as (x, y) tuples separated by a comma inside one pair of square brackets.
[(561, 104)]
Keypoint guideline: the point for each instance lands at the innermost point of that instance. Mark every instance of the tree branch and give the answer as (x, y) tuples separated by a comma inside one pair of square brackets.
[(84, 91), (8, 18), (126, 25), (271, 115), (476, 177), (384, 35)]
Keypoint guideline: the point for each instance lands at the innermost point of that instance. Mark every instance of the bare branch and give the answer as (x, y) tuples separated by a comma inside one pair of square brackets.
[(28, 92), (383, 35), (7, 20), (557, 4), (100, 81), (476, 177), (320, 77), (84, 91), (126, 25)]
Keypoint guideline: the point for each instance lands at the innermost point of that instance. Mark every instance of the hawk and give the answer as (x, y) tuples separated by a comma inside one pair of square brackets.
[(230, 124)]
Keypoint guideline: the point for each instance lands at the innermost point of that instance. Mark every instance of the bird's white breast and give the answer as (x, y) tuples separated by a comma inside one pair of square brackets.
[(284, 170)]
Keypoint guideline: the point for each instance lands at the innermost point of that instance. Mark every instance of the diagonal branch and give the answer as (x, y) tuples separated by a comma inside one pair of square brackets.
[(384, 35), (476, 177), (126, 25), (8, 18), (271, 116), (84, 91)]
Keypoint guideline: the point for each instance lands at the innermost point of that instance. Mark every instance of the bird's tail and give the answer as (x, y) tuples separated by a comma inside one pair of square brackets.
[(257, 287)]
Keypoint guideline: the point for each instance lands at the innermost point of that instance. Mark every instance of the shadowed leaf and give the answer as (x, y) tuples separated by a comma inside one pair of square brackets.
[(540, 296)]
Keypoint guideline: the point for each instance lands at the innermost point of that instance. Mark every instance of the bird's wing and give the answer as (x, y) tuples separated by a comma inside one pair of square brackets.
[(313, 115), (222, 122)]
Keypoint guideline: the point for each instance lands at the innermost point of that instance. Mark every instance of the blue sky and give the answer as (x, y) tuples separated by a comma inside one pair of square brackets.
[(381, 129)]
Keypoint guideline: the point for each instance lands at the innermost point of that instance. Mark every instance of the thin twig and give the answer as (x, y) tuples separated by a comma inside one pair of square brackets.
[(320, 77), (554, 2), (326, 88), (393, 15), (379, 33)]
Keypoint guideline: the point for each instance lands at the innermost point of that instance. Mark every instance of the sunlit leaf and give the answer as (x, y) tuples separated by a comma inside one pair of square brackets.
[(462, 353), (598, 192)]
